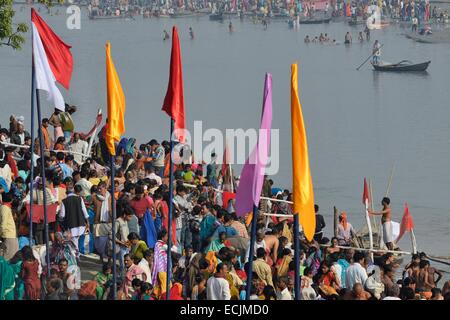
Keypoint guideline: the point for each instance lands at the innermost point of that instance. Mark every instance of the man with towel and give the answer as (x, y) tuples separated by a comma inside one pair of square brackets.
[(388, 236)]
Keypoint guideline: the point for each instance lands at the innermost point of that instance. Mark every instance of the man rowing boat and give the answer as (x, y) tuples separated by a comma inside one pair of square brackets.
[(388, 236), (376, 52)]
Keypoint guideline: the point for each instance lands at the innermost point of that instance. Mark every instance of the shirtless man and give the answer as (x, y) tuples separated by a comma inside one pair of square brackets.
[(358, 293), (388, 237), (423, 279), (272, 243)]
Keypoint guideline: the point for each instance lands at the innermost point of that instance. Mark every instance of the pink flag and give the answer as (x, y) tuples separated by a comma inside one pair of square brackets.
[(252, 175)]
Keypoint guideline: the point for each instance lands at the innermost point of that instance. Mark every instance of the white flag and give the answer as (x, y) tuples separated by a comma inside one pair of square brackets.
[(45, 80)]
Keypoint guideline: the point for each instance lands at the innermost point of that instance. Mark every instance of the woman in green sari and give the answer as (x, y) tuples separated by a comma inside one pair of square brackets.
[(7, 280), (102, 279), (16, 264)]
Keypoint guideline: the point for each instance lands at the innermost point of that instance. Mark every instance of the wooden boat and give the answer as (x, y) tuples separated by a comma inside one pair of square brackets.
[(402, 66), (216, 17), (315, 20)]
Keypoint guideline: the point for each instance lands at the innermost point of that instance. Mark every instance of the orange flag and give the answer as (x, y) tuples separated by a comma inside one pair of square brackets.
[(116, 104), (302, 187)]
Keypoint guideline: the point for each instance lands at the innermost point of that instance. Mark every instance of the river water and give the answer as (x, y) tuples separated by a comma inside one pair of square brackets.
[(359, 123)]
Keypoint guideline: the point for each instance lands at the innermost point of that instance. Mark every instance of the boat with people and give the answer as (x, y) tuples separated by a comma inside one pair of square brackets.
[(402, 66)]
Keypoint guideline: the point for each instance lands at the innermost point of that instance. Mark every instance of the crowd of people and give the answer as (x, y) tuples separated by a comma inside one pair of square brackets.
[(210, 243)]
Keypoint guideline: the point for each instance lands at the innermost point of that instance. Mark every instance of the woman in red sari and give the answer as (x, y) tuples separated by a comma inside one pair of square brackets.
[(29, 275)]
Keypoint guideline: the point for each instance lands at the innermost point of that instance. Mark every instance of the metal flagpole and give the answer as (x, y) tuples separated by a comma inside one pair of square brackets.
[(251, 252), (169, 225), (33, 91), (44, 187), (113, 227), (297, 258)]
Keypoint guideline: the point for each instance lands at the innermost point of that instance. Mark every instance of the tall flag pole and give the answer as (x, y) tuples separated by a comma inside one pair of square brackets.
[(51, 63), (365, 199), (33, 95), (115, 128), (173, 105), (302, 187), (252, 176)]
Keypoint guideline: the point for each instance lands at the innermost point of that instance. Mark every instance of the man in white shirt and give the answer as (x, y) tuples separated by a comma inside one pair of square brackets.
[(356, 272), (146, 264), (217, 287), (85, 184), (283, 291), (78, 146)]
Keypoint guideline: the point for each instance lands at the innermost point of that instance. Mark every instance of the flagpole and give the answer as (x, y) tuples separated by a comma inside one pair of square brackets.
[(32, 148), (298, 278), (113, 228), (169, 226), (44, 187), (251, 252), (91, 141), (413, 241), (231, 179)]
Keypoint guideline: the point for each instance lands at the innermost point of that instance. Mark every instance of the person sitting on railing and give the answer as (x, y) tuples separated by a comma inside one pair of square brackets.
[(345, 230)]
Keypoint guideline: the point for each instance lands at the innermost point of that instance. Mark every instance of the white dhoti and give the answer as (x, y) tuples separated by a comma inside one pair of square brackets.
[(387, 232)]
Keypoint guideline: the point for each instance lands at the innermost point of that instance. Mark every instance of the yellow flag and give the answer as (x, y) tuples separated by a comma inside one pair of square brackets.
[(116, 104), (302, 187)]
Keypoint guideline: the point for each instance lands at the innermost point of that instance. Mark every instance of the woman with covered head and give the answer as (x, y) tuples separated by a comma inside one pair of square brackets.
[(345, 230)]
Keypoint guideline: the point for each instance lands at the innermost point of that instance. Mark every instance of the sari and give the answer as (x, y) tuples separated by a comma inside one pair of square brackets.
[(137, 250), (7, 280), (133, 272), (175, 292), (161, 285), (63, 248), (101, 280), (283, 266), (160, 263), (19, 290), (215, 246)]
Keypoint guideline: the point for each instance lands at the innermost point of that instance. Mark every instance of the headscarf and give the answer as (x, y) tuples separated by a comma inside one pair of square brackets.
[(343, 220)]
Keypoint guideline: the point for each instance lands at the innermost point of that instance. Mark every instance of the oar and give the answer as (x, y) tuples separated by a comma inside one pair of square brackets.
[(369, 58)]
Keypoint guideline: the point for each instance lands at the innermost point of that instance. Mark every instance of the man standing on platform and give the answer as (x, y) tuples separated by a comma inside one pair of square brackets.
[(388, 236)]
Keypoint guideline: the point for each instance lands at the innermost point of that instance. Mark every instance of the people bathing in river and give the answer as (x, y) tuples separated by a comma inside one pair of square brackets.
[(361, 37), (191, 33), (348, 38), (307, 40), (230, 27), (166, 35)]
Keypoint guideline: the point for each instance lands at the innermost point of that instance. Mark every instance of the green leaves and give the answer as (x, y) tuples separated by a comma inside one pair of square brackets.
[(11, 34)]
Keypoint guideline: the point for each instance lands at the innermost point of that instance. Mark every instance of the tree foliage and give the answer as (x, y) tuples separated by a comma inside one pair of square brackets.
[(12, 34)]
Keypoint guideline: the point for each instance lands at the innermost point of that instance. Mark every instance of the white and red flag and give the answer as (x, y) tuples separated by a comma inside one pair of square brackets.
[(52, 61)]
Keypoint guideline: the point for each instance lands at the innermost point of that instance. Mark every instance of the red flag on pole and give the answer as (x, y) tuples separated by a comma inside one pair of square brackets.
[(407, 223), (174, 101), (58, 52), (366, 195)]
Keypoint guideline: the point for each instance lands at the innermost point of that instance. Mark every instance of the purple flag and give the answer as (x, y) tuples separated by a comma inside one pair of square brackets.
[(252, 175)]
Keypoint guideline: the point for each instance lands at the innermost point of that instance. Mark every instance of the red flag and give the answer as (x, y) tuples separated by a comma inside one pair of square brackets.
[(58, 52), (366, 197), (407, 223), (174, 102)]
